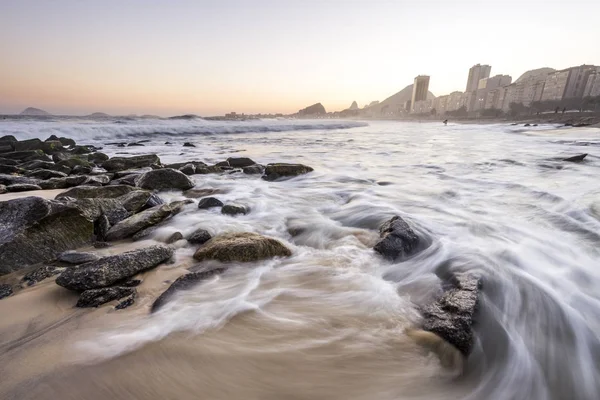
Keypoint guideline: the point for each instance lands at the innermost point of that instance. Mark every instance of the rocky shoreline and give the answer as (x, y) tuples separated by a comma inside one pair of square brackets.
[(106, 200)]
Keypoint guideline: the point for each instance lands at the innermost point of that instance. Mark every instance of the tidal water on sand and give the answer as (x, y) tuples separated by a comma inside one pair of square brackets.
[(330, 322)]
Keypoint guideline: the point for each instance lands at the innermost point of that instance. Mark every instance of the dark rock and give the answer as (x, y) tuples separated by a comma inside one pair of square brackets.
[(130, 172), (185, 282), (222, 164), (242, 247), (526, 125), (45, 174), (30, 144), (97, 297), (52, 138), (80, 150), (67, 142), (213, 169), (281, 170), (127, 301), (168, 143), (240, 162), (22, 187), (27, 155), (112, 269), (144, 233), (576, 158), (315, 109), (143, 220), (128, 180), (2, 189), (93, 192), (398, 240), (76, 257), (6, 148), (188, 144), (200, 236), (234, 209), (254, 169), (38, 164), (164, 179), (101, 227), (452, 316), (8, 138), (125, 163), (188, 169), (10, 169), (5, 290), (131, 283), (35, 230), (6, 161), (97, 158), (197, 193), (209, 202), (135, 144), (153, 201), (75, 162), (14, 179), (97, 180), (40, 274), (82, 169), (63, 183), (174, 237)]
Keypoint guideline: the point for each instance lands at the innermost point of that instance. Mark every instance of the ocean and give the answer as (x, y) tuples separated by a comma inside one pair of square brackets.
[(330, 321)]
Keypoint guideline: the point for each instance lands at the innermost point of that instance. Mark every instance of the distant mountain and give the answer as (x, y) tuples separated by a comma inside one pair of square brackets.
[(98, 115), (353, 106), (186, 116), (535, 73), (149, 116), (395, 102), (34, 112), (315, 109)]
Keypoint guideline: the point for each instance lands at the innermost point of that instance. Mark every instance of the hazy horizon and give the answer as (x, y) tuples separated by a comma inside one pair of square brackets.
[(209, 58)]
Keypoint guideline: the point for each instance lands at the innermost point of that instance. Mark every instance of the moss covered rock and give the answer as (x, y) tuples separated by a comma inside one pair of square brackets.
[(244, 246)]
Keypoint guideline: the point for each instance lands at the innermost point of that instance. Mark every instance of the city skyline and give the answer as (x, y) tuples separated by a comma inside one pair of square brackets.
[(210, 58)]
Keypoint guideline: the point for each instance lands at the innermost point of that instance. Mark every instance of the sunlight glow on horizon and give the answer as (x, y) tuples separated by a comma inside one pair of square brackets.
[(212, 57)]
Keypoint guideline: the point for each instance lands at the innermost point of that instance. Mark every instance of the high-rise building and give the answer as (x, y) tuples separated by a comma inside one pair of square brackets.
[(556, 85), (476, 73), (578, 77), (592, 88), (454, 99), (485, 86), (420, 90)]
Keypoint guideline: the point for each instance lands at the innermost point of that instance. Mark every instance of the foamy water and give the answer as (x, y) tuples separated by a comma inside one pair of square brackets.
[(329, 322)]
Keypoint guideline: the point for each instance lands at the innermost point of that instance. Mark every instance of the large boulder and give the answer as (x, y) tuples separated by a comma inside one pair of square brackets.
[(282, 170), (27, 155), (398, 240), (452, 316), (112, 269), (125, 163), (63, 183), (164, 179), (240, 162), (41, 273), (77, 257), (115, 209), (6, 179), (47, 147), (199, 236), (244, 246), (93, 192), (209, 202), (185, 282), (22, 187), (45, 174), (97, 297), (234, 209), (143, 220), (35, 230)]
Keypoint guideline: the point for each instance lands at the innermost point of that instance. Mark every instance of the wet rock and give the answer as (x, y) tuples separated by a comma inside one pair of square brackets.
[(125, 163), (209, 202), (112, 269), (47, 147), (97, 297), (398, 240), (188, 144), (153, 201), (27, 155), (97, 180), (22, 187), (281, 170), (222, 164), (2, 189), (75, 162), (452, 316), (114, 209), (6, 148), (127, 301), (135, 144), (242, 247), (5, 290), (143, 220), (131, 283), (174, 237), (101, 227), (254, 169), (93, 192), (10, 169), (80, 150), (45, 174), (76, 257), (97, 158), (40, 274), (128, 180), (164, 179), (35, 230), (63, 183), (144, 233), (197, 193), (199, 236), (213, 169), (576, 158), (82, 169), (185, 282), (188, 169), (234, 209), (14, 179), (240, 162), (130, 172), (6, 161)]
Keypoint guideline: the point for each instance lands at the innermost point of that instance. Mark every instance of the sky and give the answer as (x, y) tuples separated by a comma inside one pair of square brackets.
[(169, 57)]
